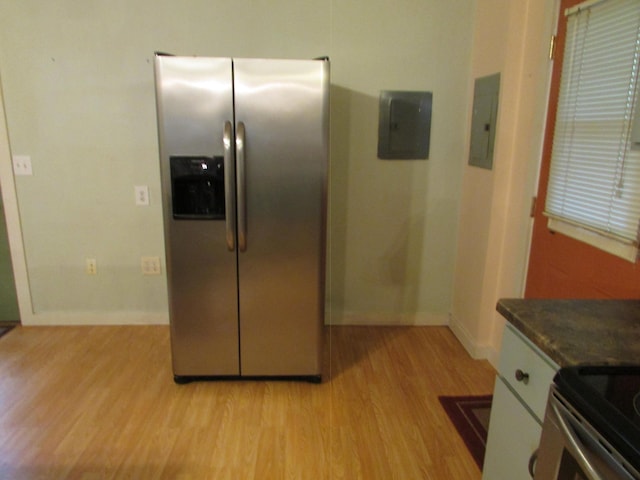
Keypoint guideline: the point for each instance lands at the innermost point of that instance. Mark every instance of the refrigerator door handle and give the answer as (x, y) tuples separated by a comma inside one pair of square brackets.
[(229, 187), (242, 207)]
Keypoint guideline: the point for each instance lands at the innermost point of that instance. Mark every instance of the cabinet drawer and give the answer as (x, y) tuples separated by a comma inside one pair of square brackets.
[(513, 437), (519, 355)]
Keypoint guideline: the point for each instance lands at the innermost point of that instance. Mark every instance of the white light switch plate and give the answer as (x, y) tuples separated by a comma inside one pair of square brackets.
[(22, 165)]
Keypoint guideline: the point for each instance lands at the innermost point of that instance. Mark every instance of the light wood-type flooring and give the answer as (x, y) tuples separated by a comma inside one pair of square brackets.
[(99, 402)]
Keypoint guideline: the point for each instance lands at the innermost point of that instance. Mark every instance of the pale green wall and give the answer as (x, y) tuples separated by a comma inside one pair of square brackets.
[(394, 222), (78, 88)]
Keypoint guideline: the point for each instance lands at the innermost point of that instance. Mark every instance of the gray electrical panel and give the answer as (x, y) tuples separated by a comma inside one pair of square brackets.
[(483, 123), (404, 126)]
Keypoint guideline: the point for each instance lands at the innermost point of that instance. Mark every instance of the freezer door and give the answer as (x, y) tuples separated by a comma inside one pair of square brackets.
[(282, 114), (194, 102)]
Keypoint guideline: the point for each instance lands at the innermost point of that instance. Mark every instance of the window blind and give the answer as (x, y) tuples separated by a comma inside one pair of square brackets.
[(594, 180)]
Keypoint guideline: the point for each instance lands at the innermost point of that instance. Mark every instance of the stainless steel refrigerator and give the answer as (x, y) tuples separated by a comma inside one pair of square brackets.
[(243, 162)]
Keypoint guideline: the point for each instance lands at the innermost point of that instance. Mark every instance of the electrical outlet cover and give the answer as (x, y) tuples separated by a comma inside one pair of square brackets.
[(91, 266), (142, 195), (22, 165), (150, 265)]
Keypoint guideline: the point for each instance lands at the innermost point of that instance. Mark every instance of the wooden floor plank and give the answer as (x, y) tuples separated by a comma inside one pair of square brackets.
[(100, 402)]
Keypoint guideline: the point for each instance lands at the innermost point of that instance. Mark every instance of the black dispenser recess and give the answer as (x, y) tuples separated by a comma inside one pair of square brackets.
[(197, 188)]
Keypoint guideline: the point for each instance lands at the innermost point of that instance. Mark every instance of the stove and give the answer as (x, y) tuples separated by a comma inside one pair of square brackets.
[(608, 397)]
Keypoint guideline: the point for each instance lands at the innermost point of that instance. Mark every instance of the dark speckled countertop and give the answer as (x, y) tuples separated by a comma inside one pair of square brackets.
[(571, 332)]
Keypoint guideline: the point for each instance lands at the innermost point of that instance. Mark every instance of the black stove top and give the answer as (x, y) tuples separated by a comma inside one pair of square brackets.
[(609, 398)]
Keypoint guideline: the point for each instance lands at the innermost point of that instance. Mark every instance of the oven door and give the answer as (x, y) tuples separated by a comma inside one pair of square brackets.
[(571, 449)]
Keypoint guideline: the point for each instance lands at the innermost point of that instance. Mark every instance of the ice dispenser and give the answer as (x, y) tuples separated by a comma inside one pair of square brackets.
[(197, 188)]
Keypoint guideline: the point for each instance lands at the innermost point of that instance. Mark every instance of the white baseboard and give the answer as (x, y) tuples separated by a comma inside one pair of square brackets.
[(471, 345), (90, 318), (493, 356), (386, 319)]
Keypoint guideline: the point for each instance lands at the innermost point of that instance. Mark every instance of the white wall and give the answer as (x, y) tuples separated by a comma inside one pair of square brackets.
[(78, 93), (511, 38)]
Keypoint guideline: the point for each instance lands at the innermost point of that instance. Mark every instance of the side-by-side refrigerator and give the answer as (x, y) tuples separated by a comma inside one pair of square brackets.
[(243, 162)]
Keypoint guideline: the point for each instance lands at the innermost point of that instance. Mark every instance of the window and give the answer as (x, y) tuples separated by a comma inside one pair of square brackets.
[(594, 184)]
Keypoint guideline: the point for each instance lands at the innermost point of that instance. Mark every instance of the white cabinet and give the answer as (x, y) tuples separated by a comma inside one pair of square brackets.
[(519, 400), (513, 436)]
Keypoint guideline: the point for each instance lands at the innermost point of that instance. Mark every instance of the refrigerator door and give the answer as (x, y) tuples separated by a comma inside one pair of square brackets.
[(194, 102), (282, 112)]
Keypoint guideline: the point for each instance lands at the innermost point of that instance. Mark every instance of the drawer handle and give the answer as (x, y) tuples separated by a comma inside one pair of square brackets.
[(522, 376), (533, 460)]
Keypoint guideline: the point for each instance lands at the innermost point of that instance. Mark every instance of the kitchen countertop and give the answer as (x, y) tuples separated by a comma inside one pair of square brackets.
[(572, 332)]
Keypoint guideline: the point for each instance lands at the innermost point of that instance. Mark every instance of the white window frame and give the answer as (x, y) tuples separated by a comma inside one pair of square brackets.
[(609, 222)]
